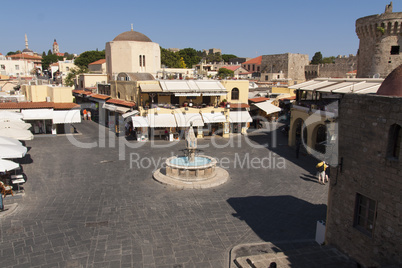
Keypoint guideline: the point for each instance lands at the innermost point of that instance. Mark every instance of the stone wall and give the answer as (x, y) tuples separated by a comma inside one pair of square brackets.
[(338, 69), (364, 126), (378, 34)]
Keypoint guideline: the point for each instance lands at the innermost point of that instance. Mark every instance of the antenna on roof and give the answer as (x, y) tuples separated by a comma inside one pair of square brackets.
[(131, 27)]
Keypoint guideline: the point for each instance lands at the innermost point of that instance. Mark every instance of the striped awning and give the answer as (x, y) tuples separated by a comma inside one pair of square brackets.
[(186, 119), (161, 120)]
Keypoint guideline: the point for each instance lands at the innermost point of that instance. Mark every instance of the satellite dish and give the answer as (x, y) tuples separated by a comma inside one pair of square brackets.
[(377, 75)]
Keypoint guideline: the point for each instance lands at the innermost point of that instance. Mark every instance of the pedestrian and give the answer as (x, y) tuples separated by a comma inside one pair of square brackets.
[(89, 115), (1, 202), (85, 114), (322, 176)]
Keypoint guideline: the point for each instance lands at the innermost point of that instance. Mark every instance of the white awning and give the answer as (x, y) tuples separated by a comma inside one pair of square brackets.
[(214, 94), (239, 117), (184, 119), (150, 88), (187, 94), (267, 107), (122, 110), (109, 107), (37, 114), (132, 113), (213, 118), (139, 121), (161, 120), (66, 117)]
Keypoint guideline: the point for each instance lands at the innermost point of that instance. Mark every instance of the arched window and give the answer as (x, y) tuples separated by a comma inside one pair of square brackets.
[(235, 94), (118, 95), (394, 141), (143, 60), (140, 60)]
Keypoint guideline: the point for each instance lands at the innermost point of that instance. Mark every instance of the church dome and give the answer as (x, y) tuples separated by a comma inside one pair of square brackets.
[(27, 50), (132, 36), (392, 85)]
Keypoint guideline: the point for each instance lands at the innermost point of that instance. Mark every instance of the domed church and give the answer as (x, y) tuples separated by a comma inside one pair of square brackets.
[(132, 52)]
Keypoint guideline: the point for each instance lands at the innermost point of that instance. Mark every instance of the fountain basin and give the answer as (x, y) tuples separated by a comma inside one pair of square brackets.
[(179, 168)]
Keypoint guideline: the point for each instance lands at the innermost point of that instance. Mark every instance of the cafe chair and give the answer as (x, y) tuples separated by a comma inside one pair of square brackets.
[(6, 189)]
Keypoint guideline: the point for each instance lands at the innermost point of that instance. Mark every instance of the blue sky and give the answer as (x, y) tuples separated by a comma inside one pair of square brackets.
[(243, 28)]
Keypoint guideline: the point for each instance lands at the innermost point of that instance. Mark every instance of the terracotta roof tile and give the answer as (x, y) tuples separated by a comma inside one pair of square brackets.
[(259, 99), (65, 106), (100, 96), (239, 105), (121, 102), (101, 61), (25, 56), (38, 105), (82, 92), (254, 61), (232, 68)]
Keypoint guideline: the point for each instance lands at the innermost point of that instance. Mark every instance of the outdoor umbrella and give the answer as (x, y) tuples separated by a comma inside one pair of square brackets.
[(18, 134), (10, 115), (15, 124), (7, 165), (10, 141), (12, 151)]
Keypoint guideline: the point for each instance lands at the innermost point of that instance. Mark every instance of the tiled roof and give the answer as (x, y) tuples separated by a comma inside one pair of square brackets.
[(101, 61), (82, 92), (100, 96), (232, 68), (25, 56), (38, 105), (254, 61), (352, 72), (239, 105), (260, 99), (121, 102)]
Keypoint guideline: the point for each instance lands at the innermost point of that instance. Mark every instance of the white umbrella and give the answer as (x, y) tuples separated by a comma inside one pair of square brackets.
[(15, 124), (6, 165), (18, 134), (12, 151), (10, 141), (10, 115)]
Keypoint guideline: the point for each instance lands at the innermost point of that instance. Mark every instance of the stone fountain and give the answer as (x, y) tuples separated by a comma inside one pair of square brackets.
[(191, 171)]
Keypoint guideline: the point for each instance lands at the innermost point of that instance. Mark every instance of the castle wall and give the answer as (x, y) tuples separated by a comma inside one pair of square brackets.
[(292, 65)]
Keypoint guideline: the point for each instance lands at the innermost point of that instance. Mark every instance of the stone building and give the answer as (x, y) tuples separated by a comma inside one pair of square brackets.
[(364, 217), (380, 43), (132, 52), (288, 65)]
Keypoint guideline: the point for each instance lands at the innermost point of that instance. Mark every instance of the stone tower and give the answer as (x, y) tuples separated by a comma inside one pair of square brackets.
[(55, 47), (380, 43)]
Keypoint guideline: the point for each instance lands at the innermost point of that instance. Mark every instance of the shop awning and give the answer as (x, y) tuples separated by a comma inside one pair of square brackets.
[(122, 110), (139, 121), (214, 94), (187, 94), (147, 88), (267, 107), (213, 118), (37, 114), (66, 117), (109, 107), (132, 113), (239, 117), (184, 119), (161, 120)]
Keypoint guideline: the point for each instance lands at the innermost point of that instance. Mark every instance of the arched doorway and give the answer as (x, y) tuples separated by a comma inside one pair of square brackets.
[(320, 133)]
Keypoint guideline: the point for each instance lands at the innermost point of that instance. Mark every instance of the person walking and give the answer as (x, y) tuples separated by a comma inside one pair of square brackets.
[(85, 114), (89, 115), (1, 202), (322, 176)]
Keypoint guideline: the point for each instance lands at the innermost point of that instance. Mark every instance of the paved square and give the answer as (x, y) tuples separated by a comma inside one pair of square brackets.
[(83, 207)]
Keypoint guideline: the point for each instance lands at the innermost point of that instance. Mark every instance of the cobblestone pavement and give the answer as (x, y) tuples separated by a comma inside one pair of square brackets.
[(83, 207)]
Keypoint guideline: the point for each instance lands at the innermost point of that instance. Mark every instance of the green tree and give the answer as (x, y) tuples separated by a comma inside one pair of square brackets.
[(169, 58), (228, 57), (317, 58), (49, 52), (215, 57), (88, 57), (43, 54), (69, 80), (190, 56), (49, 59), (328, 60), (224, 73)]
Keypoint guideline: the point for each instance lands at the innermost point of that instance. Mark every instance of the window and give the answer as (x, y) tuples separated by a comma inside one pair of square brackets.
[(143, 60), (395, 50), (17, 67), (3, 67), (67, 69), (266, 78), (140, 60), (235, 94), (394, 141), (365, 214)]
